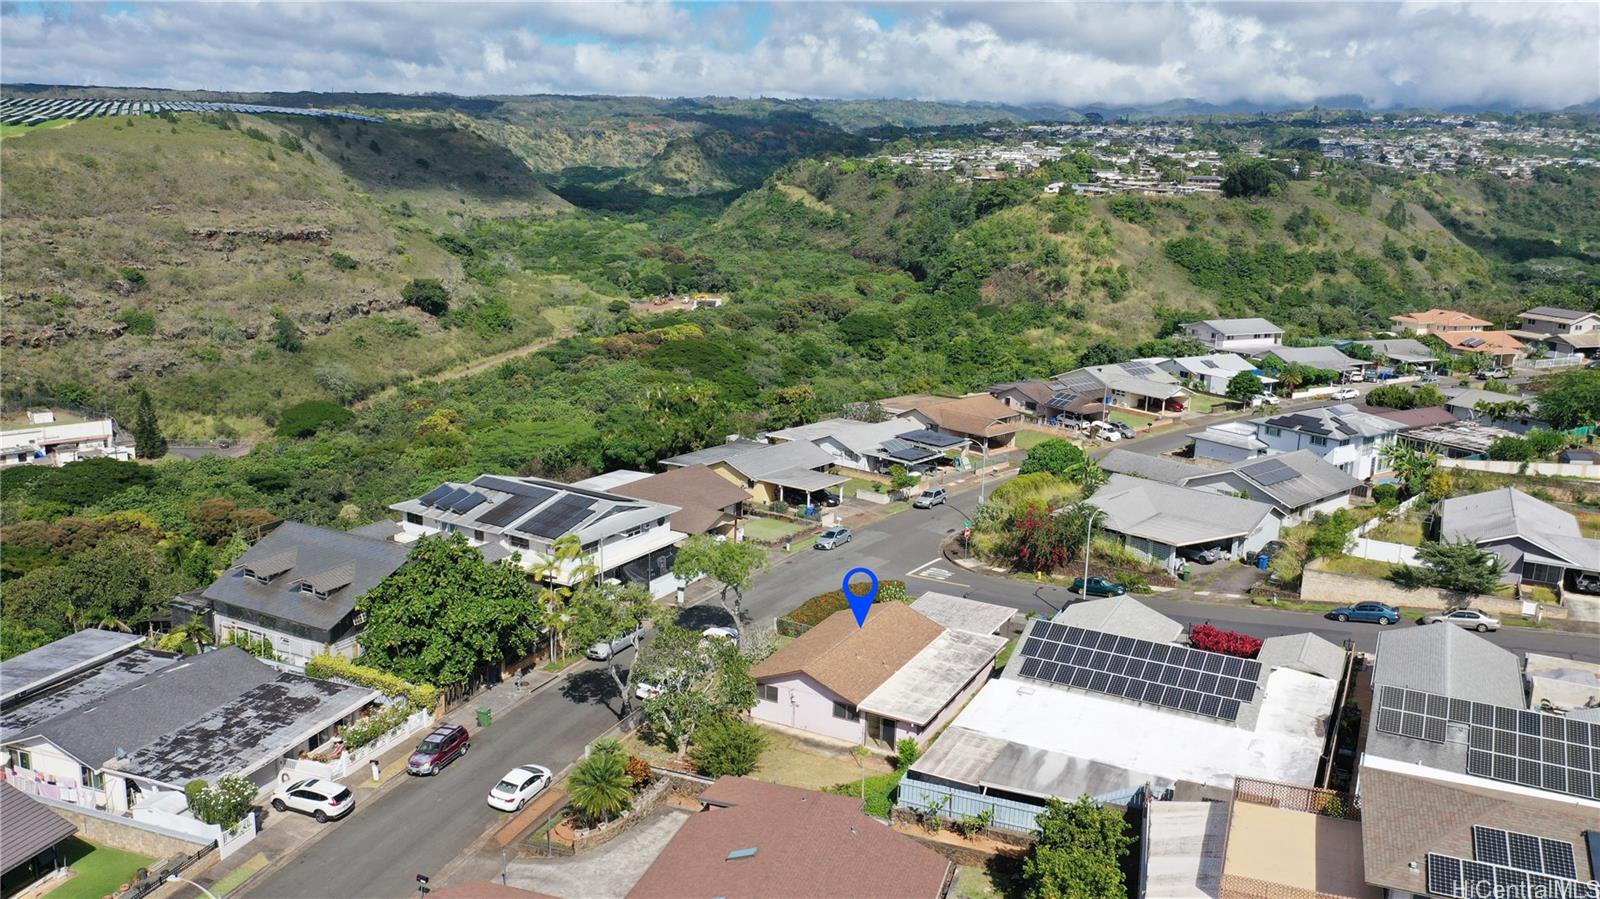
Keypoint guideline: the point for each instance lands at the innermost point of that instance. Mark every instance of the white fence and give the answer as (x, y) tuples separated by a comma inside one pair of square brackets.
[(1383, 551), (1563, 361), (1550, 469), (350, 761)]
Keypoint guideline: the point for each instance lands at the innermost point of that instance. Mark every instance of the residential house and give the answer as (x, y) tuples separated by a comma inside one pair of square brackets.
[(1540, 543), (793, 472), (1440, 321), (900, 674), (45, 437), (875, 446), (1502, 347), (981, 419), (1561, 330), (116, 733), (1347, 438), (1511, 411), (1074, 711), (1455, 439), (34, 834), (755, 838), (626, 539), (1212, 373), (1420, 417), (1156, 520), (1464, 789), (1246, 336), (1031, 398), (1130, 385), (1403, 351), (297, 588), (1326, 358), (1298, 485), (707, 503)]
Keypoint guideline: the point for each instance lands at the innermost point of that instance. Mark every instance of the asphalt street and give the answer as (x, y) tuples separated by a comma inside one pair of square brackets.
[(419, 827)]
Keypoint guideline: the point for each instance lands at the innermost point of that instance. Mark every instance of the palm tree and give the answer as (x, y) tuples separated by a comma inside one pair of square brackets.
[(1413, 466), (600, 786), (195, 632)]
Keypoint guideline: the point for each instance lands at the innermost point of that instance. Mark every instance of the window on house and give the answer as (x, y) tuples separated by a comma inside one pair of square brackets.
[(769, 693), (1541, 574), (94, 780), (519, 542), (477, 535), (413, 518), (24, 760), (1274, 432), (845, 712), (1319, 441)]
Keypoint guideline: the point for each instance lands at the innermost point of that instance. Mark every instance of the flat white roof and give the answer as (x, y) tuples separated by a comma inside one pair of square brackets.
[(922, 687), (1285, 744), (963, 614), (1184, 856)]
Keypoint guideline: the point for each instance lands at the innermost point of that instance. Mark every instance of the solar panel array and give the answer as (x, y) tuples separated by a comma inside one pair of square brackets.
[(1545, 752), (1270, 472), (509, 510), (1524, 851), (34, 110), (1175, 677), (930, 438), (1467, 879), (560, 517)]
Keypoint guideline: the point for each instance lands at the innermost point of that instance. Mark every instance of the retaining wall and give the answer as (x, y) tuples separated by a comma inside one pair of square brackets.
[(125, 833), (1549, 469), (1317, 585)]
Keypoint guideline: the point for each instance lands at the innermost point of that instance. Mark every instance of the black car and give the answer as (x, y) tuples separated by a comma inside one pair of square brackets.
[(830, 499)]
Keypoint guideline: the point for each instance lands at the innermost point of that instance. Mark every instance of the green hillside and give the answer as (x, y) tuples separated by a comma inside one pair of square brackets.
[(159, 252)]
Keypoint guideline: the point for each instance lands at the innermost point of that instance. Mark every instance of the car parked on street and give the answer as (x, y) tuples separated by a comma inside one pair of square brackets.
[(833, 538), (1204, 555), (1492, 374), (1346, 393), (933, 496), (1125, 429), (1104, 430), (1472, 618), (1264, 399), (444, 745), (518, 787), (324, 800), (605, 649), (1097, 586), (1366, 611), (730, 633)]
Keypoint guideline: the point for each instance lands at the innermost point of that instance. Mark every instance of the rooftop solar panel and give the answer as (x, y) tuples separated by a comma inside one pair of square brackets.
[(432, 496), (1269, 472), (560, 517), (447, 502), (466, 504), (930, 438)]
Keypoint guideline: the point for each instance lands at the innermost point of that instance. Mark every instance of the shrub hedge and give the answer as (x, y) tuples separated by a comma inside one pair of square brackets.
[(327, 666), (817, 608)]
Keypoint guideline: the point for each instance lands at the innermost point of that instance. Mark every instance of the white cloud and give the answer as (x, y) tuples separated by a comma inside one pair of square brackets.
[(1530, 54)]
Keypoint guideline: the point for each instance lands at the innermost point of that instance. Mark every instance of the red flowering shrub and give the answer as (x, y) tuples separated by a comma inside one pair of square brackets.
[(1231, 643)]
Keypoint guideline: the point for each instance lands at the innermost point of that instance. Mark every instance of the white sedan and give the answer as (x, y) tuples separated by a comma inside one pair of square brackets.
[(1465, 618), (647, 691), (518, 787), (1346, 393)]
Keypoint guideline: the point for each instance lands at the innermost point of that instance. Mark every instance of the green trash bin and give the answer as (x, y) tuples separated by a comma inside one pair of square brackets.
[(1183, 573), (485, 717)]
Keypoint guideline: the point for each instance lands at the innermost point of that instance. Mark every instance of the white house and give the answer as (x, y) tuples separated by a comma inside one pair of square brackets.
[(1212, 372), (626, 539), (874, 446), (44, 438), (1342, 435), (1298, 485), (1248, 336), (1156, 521)]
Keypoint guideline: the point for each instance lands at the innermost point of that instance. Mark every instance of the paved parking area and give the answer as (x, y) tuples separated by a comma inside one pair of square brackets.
[(608, 872)]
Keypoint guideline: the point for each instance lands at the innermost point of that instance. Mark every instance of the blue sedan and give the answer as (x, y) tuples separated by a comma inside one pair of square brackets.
[(1366, 611)]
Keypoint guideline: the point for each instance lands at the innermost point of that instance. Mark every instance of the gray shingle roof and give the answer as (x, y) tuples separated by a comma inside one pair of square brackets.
[(1303, 652), (142, 712), (1318, 357), (1498, 515), (31, 827), (314, 553), (85, 689), (771, 459), (1120, 615), (61, 659), (1314, 479), (1154, 468), (1341, 421), (1449, 661), (713, 454), (1176, 516), (1234, 327), (1402, 349)]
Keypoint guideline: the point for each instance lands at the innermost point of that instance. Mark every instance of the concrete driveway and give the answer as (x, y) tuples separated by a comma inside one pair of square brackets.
[(608, 872)]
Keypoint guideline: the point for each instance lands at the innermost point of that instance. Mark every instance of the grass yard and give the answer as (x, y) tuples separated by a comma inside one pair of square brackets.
[(974, 883), (98, 870), (1406, 529), (1359, 567), (788, 761), (1205, 403), (1028, 439), (853, 485), (770, 529)]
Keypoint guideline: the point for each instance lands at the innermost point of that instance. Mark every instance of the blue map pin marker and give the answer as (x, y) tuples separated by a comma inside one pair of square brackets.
[(861, 603)]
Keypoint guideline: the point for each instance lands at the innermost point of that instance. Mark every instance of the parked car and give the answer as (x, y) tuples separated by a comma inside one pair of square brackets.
[(324, 800), (1269, 549), (1104, 430), (444, 745), (1264, 399), (1490, 374), (1366, 611), (605, 649), (933, 496), (833, 538), (731, 633), (647, 691), (1125, 429), (1097, 586), (1465, 618), (1587, 583), (1205, 555), (1346, 393), (830, 499), (518, 787)]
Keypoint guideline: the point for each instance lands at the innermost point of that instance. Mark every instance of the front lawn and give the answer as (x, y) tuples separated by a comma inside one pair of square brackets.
[(98, 870), (1028, 439), (1204, 403), (770, 530)]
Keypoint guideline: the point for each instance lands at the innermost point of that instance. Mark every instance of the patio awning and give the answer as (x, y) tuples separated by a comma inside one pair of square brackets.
[(804, 479)]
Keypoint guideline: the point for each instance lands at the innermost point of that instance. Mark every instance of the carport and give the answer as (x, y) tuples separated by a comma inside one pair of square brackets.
[(796, 483)]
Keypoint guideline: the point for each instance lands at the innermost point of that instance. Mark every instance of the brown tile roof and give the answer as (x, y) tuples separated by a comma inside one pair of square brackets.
[(699, 493), (853, 661), (1493, 341), (1404, 817), (1037, 392), (1449, 317), (806, 844), (979, 414)]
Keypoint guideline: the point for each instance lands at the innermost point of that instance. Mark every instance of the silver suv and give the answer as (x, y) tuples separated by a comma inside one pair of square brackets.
[(934, 496), (324, 800)]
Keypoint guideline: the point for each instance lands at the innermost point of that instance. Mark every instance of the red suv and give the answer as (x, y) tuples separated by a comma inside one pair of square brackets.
[(438, 749)]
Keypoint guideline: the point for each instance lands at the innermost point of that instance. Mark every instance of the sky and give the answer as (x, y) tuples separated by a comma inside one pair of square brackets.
[(1523, 54)]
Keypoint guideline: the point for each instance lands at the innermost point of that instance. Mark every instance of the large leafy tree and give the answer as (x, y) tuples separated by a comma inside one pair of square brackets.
[(733, 564), (603, 612), (1079, 852), (699, 678), (1064, 460), (1573, 399), (1252, 178), (1244, 386), (148, 442), (447, 612), (1414, 467)]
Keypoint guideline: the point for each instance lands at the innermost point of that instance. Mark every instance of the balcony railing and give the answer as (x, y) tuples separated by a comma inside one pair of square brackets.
[(1328, 803)]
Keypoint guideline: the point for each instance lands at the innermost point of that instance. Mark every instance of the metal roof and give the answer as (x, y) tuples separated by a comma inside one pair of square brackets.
[(31, 827), (1176, 516), (1235, 327), (61, 659)]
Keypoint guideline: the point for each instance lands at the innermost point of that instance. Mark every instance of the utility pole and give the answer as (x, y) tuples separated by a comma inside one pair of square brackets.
[(1088, 543)]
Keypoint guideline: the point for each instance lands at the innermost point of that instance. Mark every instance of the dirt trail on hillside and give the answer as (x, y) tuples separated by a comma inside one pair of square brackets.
[(473, 368)]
